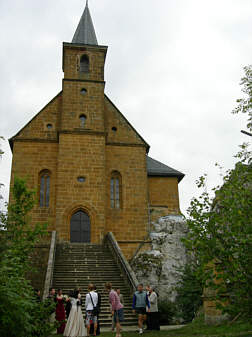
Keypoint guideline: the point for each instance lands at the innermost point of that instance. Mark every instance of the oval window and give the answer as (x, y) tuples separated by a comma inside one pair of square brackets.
[(83, 91), (114, 129), (49, 126), (81, 179)]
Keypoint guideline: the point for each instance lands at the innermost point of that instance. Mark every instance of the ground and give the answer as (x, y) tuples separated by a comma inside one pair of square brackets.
[(197, 329)]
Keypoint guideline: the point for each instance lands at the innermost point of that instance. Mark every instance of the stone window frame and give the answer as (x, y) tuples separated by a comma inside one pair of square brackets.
[(115, 186), (84, 68), (44, 190)]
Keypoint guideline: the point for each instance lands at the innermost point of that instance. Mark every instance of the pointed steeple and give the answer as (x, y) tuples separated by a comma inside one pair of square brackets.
[(85, 32)]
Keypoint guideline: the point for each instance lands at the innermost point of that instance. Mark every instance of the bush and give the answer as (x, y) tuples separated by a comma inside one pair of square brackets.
[(167, 311), (20, 314), (189, 290)]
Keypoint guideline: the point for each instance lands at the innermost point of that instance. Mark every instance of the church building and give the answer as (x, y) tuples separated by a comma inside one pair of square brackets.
[(88, 164)]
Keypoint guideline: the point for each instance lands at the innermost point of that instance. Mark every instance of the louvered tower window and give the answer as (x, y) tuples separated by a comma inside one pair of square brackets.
[(84, 64)]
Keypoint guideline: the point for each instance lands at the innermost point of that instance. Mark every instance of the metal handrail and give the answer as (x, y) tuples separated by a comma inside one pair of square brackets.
[(110, 240), (50, 266)]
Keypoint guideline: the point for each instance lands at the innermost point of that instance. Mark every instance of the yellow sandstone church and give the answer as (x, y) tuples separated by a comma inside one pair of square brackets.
[(89, 165)]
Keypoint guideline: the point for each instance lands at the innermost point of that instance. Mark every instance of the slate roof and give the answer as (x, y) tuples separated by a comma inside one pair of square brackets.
[(157, 169), (85, 32)]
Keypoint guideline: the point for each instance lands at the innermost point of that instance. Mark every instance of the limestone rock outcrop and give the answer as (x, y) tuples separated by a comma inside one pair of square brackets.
[(160, 265)]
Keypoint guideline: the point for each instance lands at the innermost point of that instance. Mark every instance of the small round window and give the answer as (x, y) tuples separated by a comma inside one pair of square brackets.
[(114, 129), (83, 119), (81, 179), (83, 91), (49, 126)]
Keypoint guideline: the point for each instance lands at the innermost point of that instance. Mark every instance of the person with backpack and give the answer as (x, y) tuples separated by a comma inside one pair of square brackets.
[(92, 310)]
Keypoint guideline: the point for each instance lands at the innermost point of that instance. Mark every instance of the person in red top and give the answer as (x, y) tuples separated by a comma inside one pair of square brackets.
[(60, 312), (116, 308)]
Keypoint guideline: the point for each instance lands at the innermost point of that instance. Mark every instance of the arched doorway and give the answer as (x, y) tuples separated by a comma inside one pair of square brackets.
[(80, 227)]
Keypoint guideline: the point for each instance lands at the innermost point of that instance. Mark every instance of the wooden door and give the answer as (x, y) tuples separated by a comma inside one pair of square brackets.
[(80, 227)]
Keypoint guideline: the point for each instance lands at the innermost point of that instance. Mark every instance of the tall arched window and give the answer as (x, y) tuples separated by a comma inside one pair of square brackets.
[(116, 190), (44, 191), (84, 64)]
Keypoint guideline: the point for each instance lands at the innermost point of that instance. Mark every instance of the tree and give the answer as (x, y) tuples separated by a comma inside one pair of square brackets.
[(1, 153), (20, 314), (220, 230), (245, 103), (220, 227)]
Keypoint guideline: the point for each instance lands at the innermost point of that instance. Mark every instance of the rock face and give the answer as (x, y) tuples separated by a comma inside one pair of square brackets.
[(159, 266)]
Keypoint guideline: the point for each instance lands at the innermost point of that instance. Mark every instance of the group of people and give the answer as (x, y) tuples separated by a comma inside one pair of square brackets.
[(68, 310), (145, 305)]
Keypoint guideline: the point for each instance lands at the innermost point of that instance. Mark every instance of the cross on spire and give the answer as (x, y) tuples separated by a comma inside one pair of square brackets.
[(85, 32)]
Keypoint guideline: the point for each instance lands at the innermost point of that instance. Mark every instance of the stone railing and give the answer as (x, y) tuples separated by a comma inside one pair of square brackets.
[(50, 266), (121, 261)]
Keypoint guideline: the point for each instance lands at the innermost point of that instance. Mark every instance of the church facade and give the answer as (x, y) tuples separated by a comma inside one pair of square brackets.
[(88, 164)]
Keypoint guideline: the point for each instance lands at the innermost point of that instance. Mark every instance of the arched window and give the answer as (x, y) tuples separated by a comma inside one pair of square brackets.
[(116, 190), (84, 64), (44, 191), (83, 120)]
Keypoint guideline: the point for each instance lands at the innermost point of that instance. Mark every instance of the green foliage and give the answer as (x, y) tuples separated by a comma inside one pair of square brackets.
[(167, 311), (189, 290), (20, 314), (1, 153), (220, 230), (245, 103)]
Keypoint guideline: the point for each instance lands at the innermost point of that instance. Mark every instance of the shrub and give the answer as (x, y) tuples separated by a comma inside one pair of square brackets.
[(167, 311), (189, 290), (20, 314)]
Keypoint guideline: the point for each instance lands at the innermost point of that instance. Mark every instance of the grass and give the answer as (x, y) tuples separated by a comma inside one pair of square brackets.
[(197, 329)]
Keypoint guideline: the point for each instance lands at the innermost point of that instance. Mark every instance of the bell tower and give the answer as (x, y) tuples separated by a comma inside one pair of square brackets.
[(81, 157), (83, 83)]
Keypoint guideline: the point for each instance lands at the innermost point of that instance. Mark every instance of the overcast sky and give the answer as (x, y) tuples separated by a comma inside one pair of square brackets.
[(173, 69)]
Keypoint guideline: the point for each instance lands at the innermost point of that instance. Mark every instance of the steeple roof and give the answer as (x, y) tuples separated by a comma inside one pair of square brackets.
[(85, 32)]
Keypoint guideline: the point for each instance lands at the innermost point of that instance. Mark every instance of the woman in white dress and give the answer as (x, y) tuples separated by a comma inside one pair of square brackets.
[(75, 324)]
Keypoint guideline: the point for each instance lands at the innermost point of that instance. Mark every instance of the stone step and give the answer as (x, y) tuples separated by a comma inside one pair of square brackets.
[(84, 265), (87, 276), (80, 264)]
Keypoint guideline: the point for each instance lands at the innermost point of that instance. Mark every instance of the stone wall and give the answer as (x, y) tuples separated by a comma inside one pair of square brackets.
[(159, 265), (163, 196), (39, 260)]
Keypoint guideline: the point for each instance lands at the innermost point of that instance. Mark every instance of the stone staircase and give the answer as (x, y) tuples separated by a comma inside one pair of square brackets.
[(77, 265)]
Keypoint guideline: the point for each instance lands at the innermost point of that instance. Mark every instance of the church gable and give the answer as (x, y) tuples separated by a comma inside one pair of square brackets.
[(44, 125), (119, 130)]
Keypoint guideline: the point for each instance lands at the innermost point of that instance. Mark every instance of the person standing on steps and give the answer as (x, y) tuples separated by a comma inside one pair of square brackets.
[(116, 308), (91, 309), (99, 310), (118, 290), (140, 302)]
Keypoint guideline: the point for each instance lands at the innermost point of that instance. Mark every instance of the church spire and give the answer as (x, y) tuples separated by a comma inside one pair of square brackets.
[(85, 32)]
